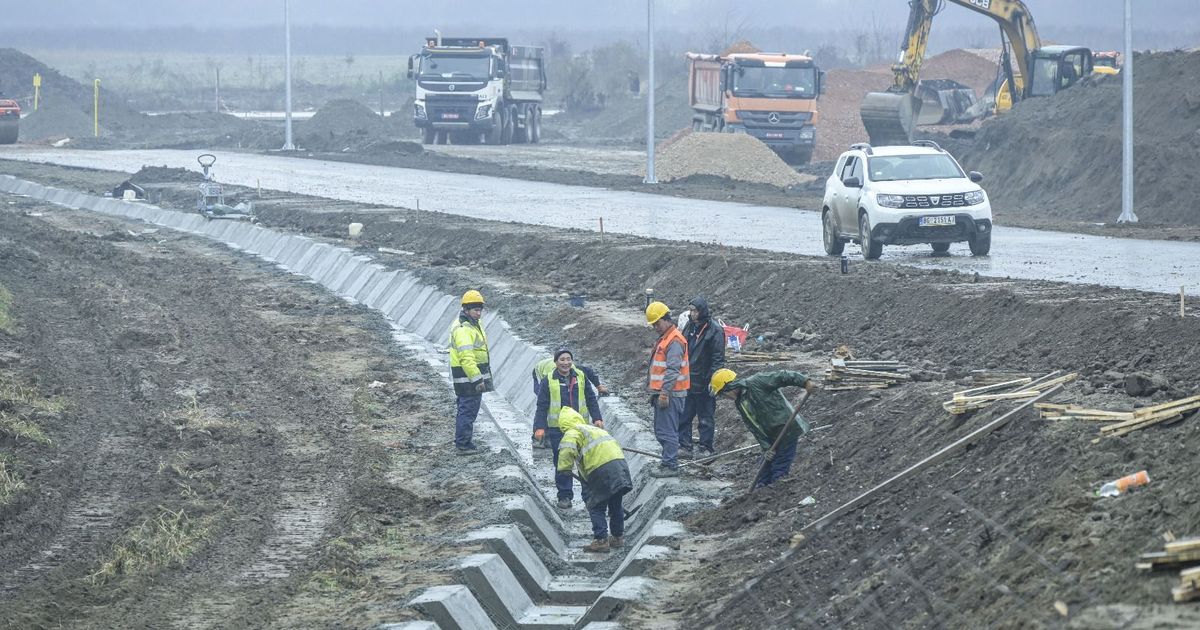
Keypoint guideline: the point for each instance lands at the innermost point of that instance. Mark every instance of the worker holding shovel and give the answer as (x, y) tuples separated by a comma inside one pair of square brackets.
[(770, 418), (603, 474)]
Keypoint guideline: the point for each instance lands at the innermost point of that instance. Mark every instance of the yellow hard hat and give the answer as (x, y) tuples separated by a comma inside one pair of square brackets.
[(720, 379), (655, 312), (472, 297)]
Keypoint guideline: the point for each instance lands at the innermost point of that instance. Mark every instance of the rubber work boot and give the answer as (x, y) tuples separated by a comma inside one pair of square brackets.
[(686, 453), (664, 471), (599, 545), (540, 444), (564, 504), (468, 451), (616, 542)]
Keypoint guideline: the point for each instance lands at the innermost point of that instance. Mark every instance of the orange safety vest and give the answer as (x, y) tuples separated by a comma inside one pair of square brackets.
[(658, 364)]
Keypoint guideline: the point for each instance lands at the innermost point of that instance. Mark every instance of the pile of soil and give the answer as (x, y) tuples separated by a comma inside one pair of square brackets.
[(57, 120), (165, 175), (1065, 152), (841, 124), (348, 125), (736, 156)]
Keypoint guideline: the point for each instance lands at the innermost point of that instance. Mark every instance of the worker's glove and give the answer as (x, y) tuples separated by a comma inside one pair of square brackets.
[(663, 401), (598, 422), (539, 434), (481, 387), (602, 389), (769, 455), (811, 386)]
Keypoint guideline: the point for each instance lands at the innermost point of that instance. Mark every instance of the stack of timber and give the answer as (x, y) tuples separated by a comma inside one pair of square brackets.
[(993, 377), (751, 356), (1175, 554), (1123, 422), (1018, 389), (845, 374)]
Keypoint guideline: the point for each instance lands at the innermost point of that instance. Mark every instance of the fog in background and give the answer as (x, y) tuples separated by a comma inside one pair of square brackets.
[(365, 27)]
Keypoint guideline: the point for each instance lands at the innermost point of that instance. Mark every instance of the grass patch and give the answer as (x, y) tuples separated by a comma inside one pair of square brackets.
[(11, 483), (194, 418), (162, 541), (6, 320), (22, 429), (16, 395)]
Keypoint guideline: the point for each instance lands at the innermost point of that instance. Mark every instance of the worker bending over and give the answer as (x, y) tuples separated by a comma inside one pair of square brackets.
[(603, 473), (564, 388), (766, 413)]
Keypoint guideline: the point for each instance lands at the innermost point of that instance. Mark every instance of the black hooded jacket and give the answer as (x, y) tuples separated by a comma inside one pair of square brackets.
[(706, 346)]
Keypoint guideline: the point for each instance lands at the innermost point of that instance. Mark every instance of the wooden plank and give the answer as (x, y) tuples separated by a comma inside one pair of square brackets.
[(1139, 427), (1138, 423), (1167, 405), (1036, 386), (1185, 594), (995, 397), (887, 375), (974, 391), (1181, 545), (1041, 379), (1190, 576), (952, 449), (1162, 559)]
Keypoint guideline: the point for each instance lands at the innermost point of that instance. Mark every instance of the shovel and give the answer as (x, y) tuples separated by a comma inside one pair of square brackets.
[(770, 453)]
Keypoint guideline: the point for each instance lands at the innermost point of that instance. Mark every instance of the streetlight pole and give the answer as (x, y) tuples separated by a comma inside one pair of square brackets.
[(1127, 215), (650, 96), (287, 80)]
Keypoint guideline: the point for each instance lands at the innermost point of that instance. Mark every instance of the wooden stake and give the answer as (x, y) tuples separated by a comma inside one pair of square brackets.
[(1182, 314), (601, 227)]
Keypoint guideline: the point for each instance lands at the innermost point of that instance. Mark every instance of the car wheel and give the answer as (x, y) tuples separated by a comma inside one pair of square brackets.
[(980, 245), (940, 248), (871, 248), (829, 235)]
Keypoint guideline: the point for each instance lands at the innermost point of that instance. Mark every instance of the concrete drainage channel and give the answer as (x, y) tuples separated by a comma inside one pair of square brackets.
[(510, 584)]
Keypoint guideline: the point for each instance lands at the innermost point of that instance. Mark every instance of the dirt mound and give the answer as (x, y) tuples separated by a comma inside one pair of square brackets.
[(342, 117), (1063, 154), (56, 120), (348, 125), (733, 155), (164, 174)]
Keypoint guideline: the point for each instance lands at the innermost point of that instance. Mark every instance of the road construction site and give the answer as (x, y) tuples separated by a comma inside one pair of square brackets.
[(217, 423)]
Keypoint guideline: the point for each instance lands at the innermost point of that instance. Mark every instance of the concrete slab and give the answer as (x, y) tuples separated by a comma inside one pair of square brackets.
[(453, 607), (623, 592), (498, 590), (410, 625)]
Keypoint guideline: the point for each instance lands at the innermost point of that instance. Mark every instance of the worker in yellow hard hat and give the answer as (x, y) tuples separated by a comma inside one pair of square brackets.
[(766, 412), (603, 473), (469, 369), (565, 387), (669, 381)]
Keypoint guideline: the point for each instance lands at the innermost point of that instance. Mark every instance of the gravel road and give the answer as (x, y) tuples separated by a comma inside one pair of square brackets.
[(1159, 266)]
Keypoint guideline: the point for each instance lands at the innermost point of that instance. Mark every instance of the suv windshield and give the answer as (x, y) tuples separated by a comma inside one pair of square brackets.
[(792, 82), (890, 168), (449, 66)]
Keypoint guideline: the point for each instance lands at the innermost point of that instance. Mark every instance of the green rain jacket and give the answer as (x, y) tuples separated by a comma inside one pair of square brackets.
[(764, 408)]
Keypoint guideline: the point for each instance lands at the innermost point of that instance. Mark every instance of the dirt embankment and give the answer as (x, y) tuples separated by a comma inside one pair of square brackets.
[(1061, 156)]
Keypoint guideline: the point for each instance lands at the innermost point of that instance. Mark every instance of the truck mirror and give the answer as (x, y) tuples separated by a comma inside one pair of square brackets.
[(411, 62), (820, 82)]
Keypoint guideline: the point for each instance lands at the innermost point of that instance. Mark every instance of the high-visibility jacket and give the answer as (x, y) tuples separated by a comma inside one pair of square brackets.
[(469, 357), (659, 370), (590, 445), (580, 397)]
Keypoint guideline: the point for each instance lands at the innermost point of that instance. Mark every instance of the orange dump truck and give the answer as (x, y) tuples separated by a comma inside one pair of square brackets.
[(771, 96)]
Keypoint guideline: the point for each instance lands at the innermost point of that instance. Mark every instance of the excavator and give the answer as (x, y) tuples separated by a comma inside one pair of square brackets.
[(890, 116)]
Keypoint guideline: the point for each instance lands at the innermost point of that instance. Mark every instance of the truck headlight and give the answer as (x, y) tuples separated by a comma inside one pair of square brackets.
[(806, 133), (890, 201), (974, 198), (484, 111), (419, 110)]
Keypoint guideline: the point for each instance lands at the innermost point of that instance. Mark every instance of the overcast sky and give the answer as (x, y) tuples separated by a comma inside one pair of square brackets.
[(456, 15)]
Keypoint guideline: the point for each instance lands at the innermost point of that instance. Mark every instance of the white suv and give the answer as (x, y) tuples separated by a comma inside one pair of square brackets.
[(904, 195)]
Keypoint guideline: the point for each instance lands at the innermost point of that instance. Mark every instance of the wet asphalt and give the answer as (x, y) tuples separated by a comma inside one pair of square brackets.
[(1148, 265)]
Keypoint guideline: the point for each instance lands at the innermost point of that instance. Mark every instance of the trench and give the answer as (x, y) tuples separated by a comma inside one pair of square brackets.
[(527, 569)]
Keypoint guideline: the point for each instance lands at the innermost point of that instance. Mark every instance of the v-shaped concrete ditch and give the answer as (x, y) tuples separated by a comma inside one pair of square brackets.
[(532, 572)]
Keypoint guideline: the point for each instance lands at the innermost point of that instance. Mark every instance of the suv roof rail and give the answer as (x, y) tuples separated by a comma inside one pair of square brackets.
[(863, 146), (927, 143)]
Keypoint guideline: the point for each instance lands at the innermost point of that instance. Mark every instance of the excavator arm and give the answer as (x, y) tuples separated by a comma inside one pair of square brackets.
[(889, 116)]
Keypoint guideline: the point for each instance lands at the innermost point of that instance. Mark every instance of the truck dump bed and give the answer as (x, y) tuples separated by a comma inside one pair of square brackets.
[(704, 82)]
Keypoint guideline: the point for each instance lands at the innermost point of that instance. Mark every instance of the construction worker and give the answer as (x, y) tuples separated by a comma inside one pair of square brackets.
[(603, 473), (564, 388), (469, 369), (669, 380), (766, 412), (706, 354), (544, 368)]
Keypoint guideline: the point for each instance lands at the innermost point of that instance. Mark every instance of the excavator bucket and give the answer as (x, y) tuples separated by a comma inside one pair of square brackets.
[(945, 102), (889, 117)]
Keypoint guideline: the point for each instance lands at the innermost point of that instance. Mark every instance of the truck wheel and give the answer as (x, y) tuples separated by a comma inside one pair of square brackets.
[(980, 245), (443, 137), (697, 125), (535, 130), (871, 248), (800, 156), (940, 248), (829, 236), (521, 133), (496, 135), (427, 135), (507, 135)]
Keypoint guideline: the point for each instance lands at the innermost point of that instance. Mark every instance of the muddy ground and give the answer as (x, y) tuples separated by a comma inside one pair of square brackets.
[(993, 537), (214, 444)]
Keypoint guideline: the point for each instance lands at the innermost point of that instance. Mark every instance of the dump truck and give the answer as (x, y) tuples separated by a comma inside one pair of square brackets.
[(10, 120), (771, 96), (473, 90)]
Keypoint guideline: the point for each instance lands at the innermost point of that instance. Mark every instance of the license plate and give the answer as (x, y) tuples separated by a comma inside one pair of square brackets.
[(774, 135), (945, 219), (449, 115)]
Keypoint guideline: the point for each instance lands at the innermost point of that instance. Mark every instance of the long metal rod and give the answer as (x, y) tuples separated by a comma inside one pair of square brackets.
[(712, 458), (650, 179), (937, 457), (287, 80), (1127, 214)]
